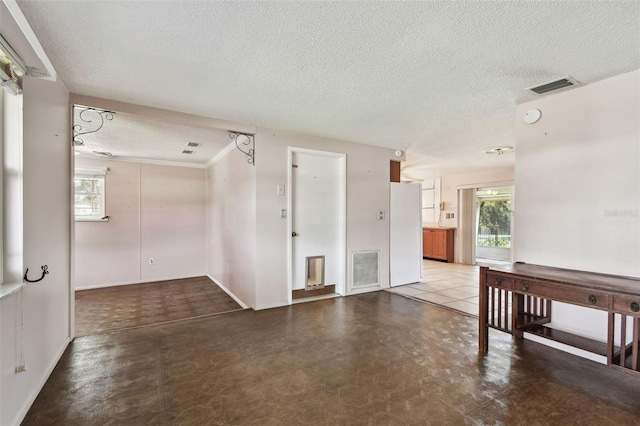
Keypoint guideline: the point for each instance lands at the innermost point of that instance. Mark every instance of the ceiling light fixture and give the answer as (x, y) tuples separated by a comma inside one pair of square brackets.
[(103, 154), (499, 149)]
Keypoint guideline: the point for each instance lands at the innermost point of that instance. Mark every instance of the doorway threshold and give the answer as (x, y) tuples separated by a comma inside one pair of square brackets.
[(315, 298)]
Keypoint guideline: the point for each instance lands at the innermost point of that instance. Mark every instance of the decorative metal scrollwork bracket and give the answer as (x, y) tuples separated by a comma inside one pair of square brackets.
[(249, 141), (88, 115), (45, 271)]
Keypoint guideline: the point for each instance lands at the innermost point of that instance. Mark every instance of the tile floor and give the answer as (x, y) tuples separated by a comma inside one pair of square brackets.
[(452, 285)]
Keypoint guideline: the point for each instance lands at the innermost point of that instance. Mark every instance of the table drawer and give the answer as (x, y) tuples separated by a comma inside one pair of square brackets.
[(627, 305), (501, 281), (588, 298)]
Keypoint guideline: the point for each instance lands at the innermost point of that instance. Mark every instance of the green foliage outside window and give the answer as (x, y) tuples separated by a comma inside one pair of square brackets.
[(88, 196), (494, 224)]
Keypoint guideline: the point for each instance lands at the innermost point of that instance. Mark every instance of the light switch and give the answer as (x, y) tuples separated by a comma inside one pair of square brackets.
[(283, 212), (280, 189)]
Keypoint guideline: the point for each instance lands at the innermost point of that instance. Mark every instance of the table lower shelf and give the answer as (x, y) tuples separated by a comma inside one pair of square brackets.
[(569, 339)]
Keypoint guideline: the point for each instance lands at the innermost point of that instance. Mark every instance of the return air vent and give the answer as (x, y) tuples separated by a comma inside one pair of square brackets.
[(193, 144), (554, 85), (366, 268)]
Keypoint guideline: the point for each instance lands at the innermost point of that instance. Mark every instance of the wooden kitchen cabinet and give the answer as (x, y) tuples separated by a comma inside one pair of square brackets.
[(437, 243)]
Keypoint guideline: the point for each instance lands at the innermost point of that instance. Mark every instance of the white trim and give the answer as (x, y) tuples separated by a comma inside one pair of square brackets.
[(91, 287), (500, 183), (91, 219), (271, 306), (91, 171), (33, 395), (220, 155), (226, 290), (27, 31), (8, 289), (341, 287)]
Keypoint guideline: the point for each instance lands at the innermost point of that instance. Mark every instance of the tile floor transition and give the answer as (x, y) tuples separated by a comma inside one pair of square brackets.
[(452, 285)]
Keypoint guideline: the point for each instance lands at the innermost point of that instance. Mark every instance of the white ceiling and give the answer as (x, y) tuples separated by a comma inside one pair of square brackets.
[(438, 79), (128, 136)]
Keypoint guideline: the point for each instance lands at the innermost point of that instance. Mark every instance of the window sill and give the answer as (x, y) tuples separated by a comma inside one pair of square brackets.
[(79, 219), (7, 290)]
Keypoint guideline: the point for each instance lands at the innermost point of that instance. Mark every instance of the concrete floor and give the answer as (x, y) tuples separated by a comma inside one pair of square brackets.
[(369, 359)]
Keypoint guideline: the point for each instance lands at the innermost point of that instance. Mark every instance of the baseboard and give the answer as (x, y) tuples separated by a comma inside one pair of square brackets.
[(32, 397), (226, 290), (92, 287)]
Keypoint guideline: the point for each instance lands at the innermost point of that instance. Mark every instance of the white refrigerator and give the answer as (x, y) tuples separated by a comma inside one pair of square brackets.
[(405, 217)]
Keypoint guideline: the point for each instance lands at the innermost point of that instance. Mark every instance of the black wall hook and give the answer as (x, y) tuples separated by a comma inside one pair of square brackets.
[(45, 271)]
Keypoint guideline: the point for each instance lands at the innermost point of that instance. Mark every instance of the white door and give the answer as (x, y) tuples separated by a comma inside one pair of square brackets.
[(315, 215), (405, 216)]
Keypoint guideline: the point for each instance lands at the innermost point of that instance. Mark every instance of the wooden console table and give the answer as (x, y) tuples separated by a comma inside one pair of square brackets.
[(517, 298)]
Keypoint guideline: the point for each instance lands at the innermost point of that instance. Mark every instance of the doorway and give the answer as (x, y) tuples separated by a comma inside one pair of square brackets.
[(317, 228), (493, 225)]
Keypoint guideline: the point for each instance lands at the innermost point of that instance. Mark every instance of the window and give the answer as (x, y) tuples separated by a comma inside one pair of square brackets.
[(89, 198)]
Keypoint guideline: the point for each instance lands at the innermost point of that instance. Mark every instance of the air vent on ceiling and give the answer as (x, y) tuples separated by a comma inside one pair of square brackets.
[(554, 85), (188, 151), (193, 144)]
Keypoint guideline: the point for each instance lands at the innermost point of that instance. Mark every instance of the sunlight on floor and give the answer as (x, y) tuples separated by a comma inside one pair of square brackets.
[(452, 285)]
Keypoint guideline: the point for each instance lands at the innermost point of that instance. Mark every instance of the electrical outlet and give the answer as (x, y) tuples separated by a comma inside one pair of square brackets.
[(151, 261), (21, 368)]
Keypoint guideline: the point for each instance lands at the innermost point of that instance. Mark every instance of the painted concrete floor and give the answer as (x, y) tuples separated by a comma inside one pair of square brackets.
[(452, 285), (370, 359)]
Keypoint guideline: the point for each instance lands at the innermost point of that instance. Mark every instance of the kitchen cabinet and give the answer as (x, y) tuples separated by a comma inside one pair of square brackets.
[(437, 243)]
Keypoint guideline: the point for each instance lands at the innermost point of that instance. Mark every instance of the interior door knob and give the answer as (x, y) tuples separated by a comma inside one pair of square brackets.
[(293, 234)]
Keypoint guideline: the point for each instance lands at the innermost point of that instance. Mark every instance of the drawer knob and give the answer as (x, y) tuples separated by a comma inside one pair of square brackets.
[(635, 306), (593, 299), (525, 285), (498, 281)]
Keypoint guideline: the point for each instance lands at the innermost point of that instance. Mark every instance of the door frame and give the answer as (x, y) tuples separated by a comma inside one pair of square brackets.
[(342, 216), (497, 184)]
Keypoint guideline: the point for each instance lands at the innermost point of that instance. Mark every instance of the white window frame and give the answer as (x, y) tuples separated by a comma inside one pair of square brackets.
[(96, 174)]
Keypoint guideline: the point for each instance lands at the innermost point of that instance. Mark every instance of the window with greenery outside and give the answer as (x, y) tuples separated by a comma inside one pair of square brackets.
[(89, 197), (494, 224)]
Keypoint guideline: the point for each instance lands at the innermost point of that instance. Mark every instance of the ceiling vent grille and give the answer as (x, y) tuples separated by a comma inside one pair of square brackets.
[(193, 144), (554, 85), (188, 151)]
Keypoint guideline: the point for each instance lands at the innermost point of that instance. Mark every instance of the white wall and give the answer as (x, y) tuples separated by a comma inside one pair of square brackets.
[(578, 187), (478, 179), (367, 192), (47, 210), (231, 226), (155, 212)]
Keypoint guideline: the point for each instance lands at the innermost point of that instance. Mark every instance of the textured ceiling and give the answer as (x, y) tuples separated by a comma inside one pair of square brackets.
[(136, 137), (439, 79)]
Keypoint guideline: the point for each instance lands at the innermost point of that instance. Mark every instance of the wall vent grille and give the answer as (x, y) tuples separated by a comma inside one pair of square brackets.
[(366, 268), (554, 85)]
